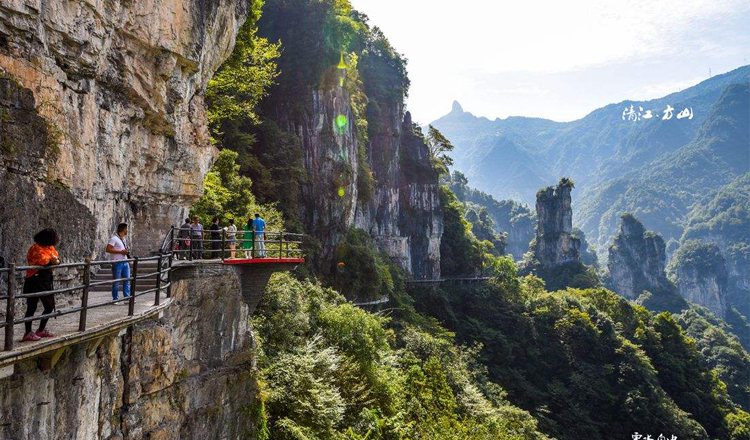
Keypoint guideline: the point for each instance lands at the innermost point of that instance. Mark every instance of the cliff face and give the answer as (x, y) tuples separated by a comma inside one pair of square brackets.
[(102, 115), (555, 244), (403, 214), (701, 274), (186, 375), (636, 260), (520, 234)]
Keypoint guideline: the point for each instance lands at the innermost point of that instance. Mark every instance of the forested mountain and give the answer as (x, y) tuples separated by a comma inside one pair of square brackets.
[(611, 159), (662, 193)]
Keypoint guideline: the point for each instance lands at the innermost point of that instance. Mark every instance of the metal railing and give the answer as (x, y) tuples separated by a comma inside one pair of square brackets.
[(281, 245), (163, 267)]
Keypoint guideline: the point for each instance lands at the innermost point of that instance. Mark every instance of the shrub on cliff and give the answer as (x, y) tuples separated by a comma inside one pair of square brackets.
[(460, 252), (361, 271)]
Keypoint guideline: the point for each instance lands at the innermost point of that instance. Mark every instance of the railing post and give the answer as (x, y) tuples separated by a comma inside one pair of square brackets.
[(158, 280), (85, 295), (169, 277), (223, 242), (171, 240), (131, 302), (192, 239), (10, 309)]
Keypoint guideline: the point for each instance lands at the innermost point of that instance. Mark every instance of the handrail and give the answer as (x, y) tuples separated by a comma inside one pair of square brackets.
[(275, 243)]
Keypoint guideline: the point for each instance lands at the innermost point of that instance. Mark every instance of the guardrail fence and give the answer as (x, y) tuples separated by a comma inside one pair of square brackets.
[(177, 244)]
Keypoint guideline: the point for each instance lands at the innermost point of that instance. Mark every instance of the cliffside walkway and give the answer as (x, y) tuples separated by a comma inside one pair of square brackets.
[(85, 310), (457, 280)]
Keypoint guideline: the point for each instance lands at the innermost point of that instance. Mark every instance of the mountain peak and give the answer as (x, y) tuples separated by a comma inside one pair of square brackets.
[(457, 108)]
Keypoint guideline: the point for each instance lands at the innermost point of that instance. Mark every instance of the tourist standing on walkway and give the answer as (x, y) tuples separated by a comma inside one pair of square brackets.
[(41, 253), (215, 237), (232, 238), (247, 239), (183, 242), (119, 254), (197, 238), (259, 246)]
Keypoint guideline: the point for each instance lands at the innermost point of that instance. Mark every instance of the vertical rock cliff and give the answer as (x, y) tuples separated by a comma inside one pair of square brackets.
[(555, 244), (637, 259), (554, 252), (102, 115), (701, 275), (404, 214)]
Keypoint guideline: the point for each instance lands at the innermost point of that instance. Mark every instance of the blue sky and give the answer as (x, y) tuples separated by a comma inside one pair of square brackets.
[(557, 60)]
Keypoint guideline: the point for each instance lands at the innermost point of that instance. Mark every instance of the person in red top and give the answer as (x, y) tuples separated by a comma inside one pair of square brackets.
[(41, 253)]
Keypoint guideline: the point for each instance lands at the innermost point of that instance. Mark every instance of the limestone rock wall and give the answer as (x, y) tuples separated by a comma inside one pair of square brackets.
[(637, 260), (187, 375), (102, 115), (404, 214), (701, 274), (555, 244)]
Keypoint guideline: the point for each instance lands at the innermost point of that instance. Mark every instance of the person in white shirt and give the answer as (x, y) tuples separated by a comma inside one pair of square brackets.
[(118, 253), (232, 237)]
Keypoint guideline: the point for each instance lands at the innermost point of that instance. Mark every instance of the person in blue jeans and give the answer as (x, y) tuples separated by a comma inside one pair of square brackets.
[(118, 253), (259, 239)]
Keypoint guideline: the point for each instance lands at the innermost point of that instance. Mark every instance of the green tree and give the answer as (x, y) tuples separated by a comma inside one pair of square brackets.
[(439, 146), (244, 79), (227, 195)]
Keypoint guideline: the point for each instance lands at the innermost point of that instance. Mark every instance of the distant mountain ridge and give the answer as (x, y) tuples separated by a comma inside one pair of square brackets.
[(609, 159)]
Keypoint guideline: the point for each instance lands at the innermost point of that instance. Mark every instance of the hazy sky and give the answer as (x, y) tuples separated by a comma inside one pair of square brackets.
[(557, 59)]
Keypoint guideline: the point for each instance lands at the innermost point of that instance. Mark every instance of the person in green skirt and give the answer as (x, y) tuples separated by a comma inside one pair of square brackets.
[(247, 239)]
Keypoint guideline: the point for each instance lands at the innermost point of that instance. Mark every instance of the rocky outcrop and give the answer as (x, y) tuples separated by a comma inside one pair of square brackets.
[(555, 244), (636, 260), (403, 212), (186, 375), (404, 215), (701, 275), (102, 115)]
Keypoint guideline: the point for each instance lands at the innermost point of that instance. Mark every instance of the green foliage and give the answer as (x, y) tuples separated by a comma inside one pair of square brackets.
[(354, 87), (587, 363), (573, 274), (722, 352), (482, 227), (587, 253), (227, 195), (334, 371), (514, 221), (725, 220), (243, 80), (461, 254), (277, 173), (439, 146), (361, 271)]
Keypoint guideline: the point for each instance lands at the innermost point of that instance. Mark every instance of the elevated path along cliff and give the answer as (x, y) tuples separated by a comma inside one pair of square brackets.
[(86, 311)]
